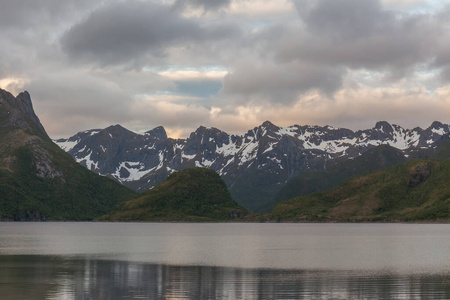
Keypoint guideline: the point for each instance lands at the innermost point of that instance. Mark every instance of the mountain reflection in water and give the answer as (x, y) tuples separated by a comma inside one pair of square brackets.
[(56, 277)]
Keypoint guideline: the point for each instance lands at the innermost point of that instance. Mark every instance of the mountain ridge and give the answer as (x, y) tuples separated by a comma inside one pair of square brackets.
[(254, 165)]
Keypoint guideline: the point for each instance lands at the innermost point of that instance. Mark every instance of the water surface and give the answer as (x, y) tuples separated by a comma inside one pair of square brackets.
[(224, 261)]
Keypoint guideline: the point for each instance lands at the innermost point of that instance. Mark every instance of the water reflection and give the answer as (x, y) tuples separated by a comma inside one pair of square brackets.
[(56, 277)]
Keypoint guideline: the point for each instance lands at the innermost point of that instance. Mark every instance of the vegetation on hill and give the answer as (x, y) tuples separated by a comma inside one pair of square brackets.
[(414, 191), (195, 194), (313, 181)]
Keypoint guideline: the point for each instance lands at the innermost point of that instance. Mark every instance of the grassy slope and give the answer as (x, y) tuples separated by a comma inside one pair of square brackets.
[(414, 191), (79, 195), (319, 181), (189, 195)]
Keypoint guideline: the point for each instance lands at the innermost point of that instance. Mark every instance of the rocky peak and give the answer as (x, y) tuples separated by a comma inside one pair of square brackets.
[(383, 126), (158, 133), (18, 111), (269, 126), (437, 125), (117, 131)]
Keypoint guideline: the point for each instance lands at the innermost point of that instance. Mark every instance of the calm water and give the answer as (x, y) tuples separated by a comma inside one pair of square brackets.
[(224, 261)]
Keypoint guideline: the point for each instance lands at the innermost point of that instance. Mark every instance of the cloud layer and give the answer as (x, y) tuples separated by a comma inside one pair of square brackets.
[(231, 64)]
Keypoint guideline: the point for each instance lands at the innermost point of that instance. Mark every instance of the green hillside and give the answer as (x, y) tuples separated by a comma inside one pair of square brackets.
[(413, 191), (38, 180), (313, 181), (189, 195)]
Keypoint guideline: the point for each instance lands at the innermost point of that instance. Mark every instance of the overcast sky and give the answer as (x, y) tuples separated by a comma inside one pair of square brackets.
[(229, 64)]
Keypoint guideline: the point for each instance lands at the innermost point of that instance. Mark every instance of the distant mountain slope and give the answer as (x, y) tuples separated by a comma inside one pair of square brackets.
[(313, 181), (414, 191), (196, 194), (39, 181), (254, 165)]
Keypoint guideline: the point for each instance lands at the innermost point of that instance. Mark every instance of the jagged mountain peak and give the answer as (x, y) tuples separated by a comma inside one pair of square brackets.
[(436, 124), (115, 132), (116, 128), (269, 126), (18, 111), (383, 126), (157, 132), (204, 129)]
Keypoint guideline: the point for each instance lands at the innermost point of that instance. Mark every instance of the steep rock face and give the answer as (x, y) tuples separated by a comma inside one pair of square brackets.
[(254, 165), (39, 181), (18, 111)]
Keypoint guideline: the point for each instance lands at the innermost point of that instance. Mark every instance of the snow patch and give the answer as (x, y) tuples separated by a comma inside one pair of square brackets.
[(290, 131), (187, 157), (248, 152), (67, 145), (90, 164), (135, 169), (161, 160), (227, 149), (439, 131)]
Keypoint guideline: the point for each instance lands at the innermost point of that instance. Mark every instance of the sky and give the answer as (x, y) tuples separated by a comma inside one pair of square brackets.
[(228, 64)]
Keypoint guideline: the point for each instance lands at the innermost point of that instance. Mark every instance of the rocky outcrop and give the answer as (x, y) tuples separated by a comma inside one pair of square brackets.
[(18, 111)]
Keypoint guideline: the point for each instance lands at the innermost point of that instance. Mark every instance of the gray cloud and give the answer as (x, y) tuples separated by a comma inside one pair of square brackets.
[(344, 19), (362, 34), (205, 4), (68, 101), (281, 83), (21, 14), (93, 63), (336, 36), (126, 31)]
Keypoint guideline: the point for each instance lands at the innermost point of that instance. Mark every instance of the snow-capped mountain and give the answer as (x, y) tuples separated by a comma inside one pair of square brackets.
[(266, 156)]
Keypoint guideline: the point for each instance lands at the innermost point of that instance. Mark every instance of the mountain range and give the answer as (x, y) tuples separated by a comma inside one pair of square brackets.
[(298, 173), (256, 165)]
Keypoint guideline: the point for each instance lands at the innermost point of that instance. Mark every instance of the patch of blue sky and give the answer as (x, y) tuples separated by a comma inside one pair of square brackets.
[(175, 68), (428, 6), (201, 89)]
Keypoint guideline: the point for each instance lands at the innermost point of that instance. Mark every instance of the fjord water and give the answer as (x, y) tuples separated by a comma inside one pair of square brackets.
[(224, 261)]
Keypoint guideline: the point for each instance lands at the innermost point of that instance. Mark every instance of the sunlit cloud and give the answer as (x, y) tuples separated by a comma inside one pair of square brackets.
[(193, 75)]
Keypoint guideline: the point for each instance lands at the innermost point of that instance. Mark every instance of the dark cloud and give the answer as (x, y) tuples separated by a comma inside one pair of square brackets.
[(205, 4), (344, 19), (38, 13), (127, 31), (362, 34)]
